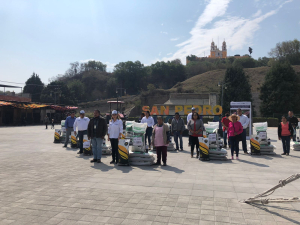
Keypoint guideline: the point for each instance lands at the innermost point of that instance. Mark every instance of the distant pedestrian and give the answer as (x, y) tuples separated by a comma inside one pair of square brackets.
[(97, 130), (150, 123), (196, 128), (294, 122), (285, 134), (161, 140), (225, 123), (244, 120), (69, 123), (52, 124), (46, 121), (188, 118), (142, 116), (81, 123), (115, 131), (234, 129), (178, 127)]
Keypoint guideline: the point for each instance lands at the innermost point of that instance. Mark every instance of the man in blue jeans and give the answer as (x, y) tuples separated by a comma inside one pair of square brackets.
[(97, 129), (244, 120), (177, 130)]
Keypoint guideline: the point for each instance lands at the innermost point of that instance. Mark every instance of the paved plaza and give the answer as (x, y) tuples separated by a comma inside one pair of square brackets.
[(43, 183)]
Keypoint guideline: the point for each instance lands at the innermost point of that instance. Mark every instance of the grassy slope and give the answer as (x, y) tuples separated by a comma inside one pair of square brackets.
[(208, 82)]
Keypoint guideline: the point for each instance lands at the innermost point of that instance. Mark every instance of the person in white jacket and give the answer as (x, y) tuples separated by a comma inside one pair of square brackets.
[(81, 124), (244, 120), (115, 131), (150, 123)]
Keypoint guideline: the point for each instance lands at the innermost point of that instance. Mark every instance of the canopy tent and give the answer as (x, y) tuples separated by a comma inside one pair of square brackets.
[(36, 106)]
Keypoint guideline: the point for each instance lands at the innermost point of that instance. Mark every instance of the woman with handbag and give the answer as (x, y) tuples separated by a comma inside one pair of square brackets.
[(235, 130), (196, 128)]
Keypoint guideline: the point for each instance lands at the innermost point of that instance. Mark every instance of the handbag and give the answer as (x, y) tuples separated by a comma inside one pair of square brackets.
[(238, 137)]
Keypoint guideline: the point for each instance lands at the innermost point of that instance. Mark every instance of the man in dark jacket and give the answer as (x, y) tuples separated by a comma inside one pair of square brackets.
[(294, 122), (97, 129), (177, 129)]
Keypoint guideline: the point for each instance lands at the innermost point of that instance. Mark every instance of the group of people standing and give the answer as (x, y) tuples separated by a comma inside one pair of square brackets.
[(234, 131), (95, 129)]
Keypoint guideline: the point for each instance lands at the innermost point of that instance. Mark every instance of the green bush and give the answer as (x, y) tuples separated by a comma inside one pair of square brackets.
[(272, 122)]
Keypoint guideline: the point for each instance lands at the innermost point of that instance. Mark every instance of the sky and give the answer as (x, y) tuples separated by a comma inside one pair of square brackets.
[(46, 36)]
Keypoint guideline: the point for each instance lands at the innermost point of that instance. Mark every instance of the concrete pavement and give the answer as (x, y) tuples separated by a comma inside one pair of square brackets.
[(43, 183)]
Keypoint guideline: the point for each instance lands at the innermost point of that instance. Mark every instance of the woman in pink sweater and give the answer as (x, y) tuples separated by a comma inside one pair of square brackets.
[(235, 128)]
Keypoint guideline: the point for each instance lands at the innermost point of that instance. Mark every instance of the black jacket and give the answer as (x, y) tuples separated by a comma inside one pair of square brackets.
[(293, 120), (101, 128), (290, 129)]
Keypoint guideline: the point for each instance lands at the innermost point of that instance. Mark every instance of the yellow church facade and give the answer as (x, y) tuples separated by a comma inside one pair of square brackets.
[(215, 52)]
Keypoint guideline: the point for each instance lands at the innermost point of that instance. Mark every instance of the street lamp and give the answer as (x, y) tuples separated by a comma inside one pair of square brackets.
[(222, 84), (120, 96)]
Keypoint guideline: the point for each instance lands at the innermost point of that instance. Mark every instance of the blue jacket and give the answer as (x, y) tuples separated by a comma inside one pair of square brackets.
[(69, 122)]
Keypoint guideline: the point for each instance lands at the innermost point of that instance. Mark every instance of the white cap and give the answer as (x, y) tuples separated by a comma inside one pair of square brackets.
[(114, 112), (193, 108), (82, 112)]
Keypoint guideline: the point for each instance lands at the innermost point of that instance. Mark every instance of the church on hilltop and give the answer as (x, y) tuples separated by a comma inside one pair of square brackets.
[(215, 53)]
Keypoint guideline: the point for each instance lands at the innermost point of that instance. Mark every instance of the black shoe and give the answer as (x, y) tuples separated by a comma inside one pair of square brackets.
[(79, 152), (164, 164), (99, 161), (93, 160), (112, 162), (287, 154), (157, 164), (177, 149), (64, 146), (246, 152), (283, 154), (181, 149)]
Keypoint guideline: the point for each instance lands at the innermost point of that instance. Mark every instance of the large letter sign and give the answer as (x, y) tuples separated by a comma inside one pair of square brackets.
[(185, 109)]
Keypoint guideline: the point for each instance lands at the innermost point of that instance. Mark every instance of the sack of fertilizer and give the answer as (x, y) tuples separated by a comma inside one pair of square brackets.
[(73, 140), (128, 125), (57, 135), (87, 148), (141, 159), (260, 127)]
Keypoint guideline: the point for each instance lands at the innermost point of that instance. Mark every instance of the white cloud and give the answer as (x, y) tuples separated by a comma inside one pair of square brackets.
[(189, 21), (174, 39), (238, 31), (169, 53), (258, 13), (164, 32)]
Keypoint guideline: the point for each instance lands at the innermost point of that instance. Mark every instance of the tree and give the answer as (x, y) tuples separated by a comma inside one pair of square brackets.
[(246, 62), (250, 50), (130, 75), (280, 91), (93, 65), (237, 87), (34, 86), (76, 88), (57, 92), (287, 50)]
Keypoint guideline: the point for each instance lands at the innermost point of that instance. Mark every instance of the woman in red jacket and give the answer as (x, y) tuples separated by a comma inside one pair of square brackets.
[(235, 128)]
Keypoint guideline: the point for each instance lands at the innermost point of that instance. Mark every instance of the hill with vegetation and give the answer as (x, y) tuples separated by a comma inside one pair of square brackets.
[(208, 82)]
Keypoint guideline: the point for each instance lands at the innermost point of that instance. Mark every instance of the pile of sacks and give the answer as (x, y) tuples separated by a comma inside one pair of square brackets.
[(218, 153), (141, 158), (296, 146), (106, 150)]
